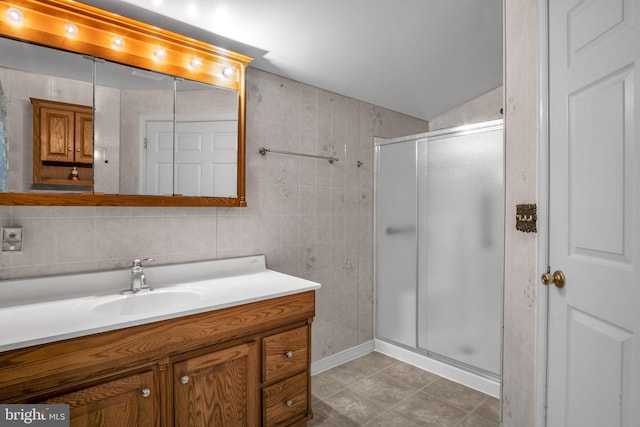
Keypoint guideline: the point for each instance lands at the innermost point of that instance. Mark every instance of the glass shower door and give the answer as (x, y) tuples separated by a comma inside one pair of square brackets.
[(460, 252), (396, 244)]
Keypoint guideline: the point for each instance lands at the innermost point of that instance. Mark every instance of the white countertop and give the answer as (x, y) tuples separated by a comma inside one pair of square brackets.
[(34, 319)]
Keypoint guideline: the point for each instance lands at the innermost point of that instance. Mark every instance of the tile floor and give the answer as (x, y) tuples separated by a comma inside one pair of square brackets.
[(377, 390)]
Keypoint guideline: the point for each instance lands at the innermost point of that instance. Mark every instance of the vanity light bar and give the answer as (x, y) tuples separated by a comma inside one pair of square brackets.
[(101, 34)]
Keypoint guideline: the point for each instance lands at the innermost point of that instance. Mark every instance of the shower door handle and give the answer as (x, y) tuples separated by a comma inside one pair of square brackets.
[(398, 230), (557, 278)]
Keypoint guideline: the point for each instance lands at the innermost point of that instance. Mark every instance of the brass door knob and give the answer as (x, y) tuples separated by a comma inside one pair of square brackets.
[(557, 278)]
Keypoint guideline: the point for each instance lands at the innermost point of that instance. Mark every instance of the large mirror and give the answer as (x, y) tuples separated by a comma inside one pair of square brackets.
[(82, 130)]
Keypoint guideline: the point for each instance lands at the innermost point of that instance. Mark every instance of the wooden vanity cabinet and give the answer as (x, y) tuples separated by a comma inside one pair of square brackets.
[(242, 366)]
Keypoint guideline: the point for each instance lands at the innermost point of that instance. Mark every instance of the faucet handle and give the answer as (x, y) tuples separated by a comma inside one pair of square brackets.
[(138, 262)]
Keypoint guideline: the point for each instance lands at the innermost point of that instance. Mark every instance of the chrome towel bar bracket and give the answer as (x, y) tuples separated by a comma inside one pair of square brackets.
[(264, 151)]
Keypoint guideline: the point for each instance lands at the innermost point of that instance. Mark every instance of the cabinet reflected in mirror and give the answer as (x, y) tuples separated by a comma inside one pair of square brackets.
[(154, 134), (33, 72)]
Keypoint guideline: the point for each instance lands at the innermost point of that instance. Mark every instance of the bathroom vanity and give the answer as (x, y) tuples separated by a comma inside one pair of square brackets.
[(237, 355)]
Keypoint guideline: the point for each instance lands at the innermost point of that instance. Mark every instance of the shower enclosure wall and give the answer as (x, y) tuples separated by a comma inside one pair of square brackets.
[(439, 246)]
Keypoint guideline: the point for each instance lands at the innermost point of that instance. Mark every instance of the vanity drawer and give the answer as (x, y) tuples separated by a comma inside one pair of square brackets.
[(285, 401), (285, 353)]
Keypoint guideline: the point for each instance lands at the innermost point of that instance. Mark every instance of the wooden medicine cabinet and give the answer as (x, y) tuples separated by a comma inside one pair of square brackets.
[(62, 144)]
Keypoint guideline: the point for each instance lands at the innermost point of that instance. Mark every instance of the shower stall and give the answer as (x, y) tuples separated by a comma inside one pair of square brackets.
[(439, 251)]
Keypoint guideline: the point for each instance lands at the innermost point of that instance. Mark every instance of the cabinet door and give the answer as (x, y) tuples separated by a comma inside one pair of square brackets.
[(84, 138), (56, 134), (218, 389), (131, 401)]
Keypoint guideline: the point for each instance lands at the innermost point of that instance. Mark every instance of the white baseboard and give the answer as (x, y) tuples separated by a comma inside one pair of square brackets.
[(449, 372), (342, 357)]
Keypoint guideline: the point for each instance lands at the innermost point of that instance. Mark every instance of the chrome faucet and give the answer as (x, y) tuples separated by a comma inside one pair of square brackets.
[(138, 278)]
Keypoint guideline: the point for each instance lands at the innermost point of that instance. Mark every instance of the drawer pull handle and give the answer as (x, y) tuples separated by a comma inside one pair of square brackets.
[(289, 354), (289, 403), (145, 392), (185, 379)]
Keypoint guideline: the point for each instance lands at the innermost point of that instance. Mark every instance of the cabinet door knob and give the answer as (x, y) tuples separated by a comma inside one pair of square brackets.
[(145, 392), (78, 150), (289, 354), (289, 403), (185, 379)]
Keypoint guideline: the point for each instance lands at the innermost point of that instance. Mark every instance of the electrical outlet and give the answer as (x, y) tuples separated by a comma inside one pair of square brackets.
[(12, 239)]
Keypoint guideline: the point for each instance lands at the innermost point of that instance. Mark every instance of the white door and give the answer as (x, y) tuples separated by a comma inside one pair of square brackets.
[(593, 350), (206, 158), (157, 163), (203, 161)]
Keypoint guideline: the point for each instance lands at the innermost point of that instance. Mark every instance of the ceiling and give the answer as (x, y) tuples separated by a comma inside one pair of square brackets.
[(418, 57)]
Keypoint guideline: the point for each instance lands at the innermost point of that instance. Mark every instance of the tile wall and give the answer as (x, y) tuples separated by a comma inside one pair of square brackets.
[(310, 218), (521, 278)]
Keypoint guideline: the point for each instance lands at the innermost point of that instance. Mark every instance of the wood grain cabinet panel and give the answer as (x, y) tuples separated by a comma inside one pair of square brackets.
[(132, 401), (217, 389), (285, 402), (285, 353), (83, 138), (56, 134)]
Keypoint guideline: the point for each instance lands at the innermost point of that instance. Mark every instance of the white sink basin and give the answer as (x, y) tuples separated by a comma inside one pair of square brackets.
[(87, 303), (146, 302)]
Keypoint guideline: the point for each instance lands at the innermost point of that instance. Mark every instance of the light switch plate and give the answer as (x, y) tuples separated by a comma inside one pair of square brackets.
[(526, 218)]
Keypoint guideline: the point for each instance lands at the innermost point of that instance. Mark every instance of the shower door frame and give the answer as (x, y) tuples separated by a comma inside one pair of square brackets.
[(416, 140)]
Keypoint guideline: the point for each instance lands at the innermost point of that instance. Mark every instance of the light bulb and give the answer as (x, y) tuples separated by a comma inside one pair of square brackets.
[(159, 54), (195, 63), (117, 42), (15, 16), (228, 71), (70, 29)]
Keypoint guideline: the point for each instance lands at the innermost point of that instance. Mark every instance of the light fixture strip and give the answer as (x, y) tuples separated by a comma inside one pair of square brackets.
[(94, 32)]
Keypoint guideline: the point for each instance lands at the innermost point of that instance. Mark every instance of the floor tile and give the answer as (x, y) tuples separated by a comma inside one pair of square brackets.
[(411, 375), (426, 410), (490, 409), (322, 385), (474, 420), (350, 408), (456, 394), (379, 391), (321, 421), (390, 419), (349, 372), (374, 361), (384, 390)]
